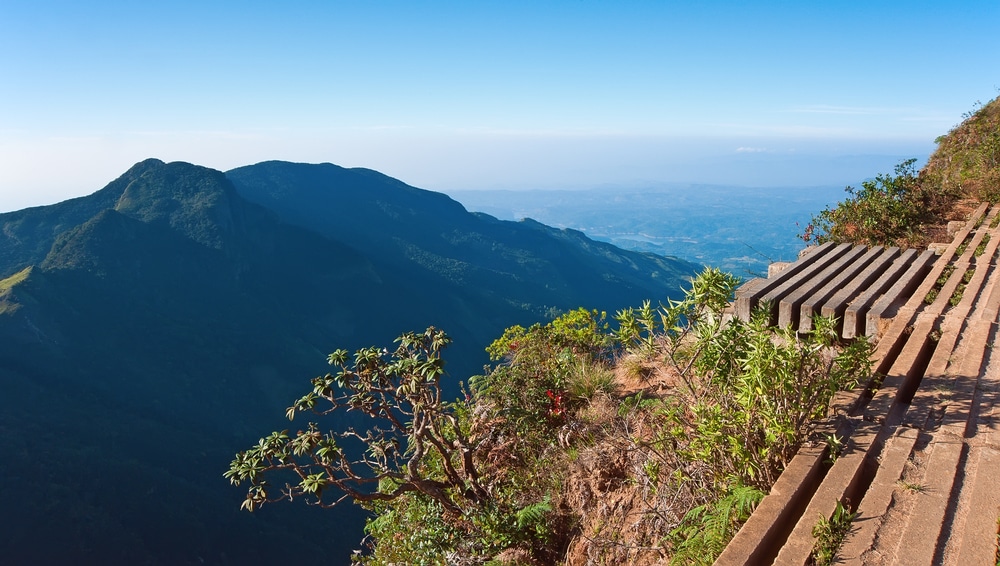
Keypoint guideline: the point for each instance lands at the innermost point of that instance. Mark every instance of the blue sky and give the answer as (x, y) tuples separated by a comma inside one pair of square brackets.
[(472, 95)]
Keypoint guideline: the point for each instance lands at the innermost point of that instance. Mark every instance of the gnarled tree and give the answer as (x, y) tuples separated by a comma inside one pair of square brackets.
[(412, 440)]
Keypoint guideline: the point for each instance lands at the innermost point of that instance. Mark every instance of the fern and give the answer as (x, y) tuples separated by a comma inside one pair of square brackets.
[(533, 515), (706, 530)]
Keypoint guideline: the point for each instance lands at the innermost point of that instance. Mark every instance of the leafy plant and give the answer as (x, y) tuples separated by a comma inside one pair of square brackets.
[(912, 487), (413, 442), (751, 390), (637, 328), (884, 211), (672, 327), (532, 517), (707, 529), (834, 447), (830, 534)]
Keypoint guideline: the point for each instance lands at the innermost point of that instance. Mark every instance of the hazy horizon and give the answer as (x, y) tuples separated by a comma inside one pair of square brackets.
[(463, 96)]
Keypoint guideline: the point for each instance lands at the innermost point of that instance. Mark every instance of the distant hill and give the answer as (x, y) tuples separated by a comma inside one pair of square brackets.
[(151, 329)]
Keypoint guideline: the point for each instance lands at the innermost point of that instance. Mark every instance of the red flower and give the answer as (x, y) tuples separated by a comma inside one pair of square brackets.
[(555, 407)]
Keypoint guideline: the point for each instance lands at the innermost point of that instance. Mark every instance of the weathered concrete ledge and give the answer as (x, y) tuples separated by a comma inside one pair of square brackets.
[(934, 318), (856, 282)]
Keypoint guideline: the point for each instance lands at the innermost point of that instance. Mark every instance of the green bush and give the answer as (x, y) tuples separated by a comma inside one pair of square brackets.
[(413, 440), (528, 393), (413, 530), (885, 211), (751, 390)]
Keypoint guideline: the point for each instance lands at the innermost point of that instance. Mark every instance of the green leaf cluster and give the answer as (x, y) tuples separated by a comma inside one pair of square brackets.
[(830, 534), (413, 441), (887, 210)]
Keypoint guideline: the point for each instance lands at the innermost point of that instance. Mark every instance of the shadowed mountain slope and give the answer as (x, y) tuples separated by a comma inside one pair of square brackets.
[(435, 236), (153, 328)]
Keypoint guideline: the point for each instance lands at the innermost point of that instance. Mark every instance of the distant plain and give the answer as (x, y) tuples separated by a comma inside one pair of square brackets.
[(739, 229)]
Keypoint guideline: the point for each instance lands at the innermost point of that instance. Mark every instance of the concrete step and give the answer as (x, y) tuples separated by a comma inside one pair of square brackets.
[(915, 304), (836, 304), (774, 295), (813, 305), (767, 528), (856, 310), (978, 541), (949, 256), (902, 289), (948, 387), (789, 305), (978, 544), (932, 357), (845, 473), (879, 495), (920, 539), (748, 299)]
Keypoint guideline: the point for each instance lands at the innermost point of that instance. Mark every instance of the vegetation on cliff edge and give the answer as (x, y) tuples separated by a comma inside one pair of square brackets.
[(908, 209), (649, 441)]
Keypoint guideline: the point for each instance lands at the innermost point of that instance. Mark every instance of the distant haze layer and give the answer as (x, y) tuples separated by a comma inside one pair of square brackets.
[(464, 161)]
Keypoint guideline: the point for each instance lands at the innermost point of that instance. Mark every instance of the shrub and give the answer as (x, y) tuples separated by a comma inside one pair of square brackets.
[(885, 211), (751, 390), (527, 394), (488, 477)]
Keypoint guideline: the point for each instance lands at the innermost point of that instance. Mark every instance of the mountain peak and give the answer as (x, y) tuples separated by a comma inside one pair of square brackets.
[(193, 200), (141, 167), (346, 204)]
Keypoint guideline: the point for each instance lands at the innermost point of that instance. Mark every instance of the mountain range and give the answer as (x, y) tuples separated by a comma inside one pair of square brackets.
[(151, 329)]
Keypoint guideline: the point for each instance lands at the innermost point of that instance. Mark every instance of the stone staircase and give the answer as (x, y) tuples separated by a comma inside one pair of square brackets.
[(920, 463)]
